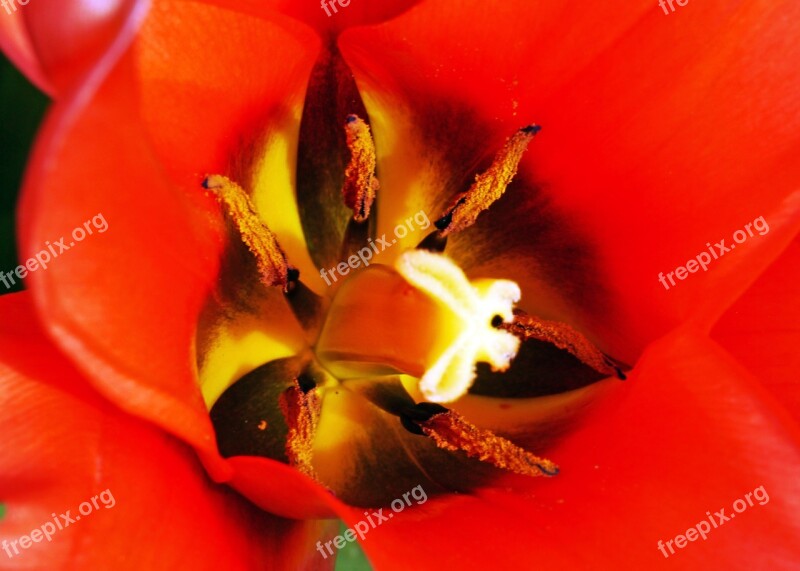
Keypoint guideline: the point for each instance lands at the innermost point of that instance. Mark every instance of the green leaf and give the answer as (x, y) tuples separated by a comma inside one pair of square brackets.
[(351, 557)]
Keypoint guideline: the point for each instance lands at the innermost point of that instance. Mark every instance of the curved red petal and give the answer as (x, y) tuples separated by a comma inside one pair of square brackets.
[(693, 433), (138, 498), (326, 16), (658, 135), (16, 45), (763, 329), (154, 260), (231, 71), (729, 281), (136, 157), (57, 44), (285, 492)]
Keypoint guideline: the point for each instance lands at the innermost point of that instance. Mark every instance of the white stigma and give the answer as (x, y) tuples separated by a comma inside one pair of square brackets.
[(476, 305)]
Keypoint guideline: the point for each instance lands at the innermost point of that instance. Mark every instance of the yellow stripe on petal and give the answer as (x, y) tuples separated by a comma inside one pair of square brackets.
[(239, 341), (273, 184)]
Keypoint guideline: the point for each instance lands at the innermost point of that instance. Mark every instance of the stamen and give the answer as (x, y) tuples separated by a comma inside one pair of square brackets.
[(360, 183), (565, 338), (454, 371), (488, 186), (452, 432), (272, 263), (301, 407)]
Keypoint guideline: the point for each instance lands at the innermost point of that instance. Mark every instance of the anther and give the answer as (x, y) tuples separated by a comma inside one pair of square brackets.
[(272, 264), (564, 337), (360, 184), (489, 186), (451, 431), (301, 410)]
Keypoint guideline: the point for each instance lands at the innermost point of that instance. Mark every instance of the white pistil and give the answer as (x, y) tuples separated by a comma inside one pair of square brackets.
[(476, 305)]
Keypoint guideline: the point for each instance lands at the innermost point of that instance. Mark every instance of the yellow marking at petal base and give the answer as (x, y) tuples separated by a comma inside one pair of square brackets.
[(273, 183), (523, 417), (233, 357), (489, 186), (260, 240), (237, 345), (344, 420), (240, 356), (476, 306), (360, 183), (342, 432), (407, 166)]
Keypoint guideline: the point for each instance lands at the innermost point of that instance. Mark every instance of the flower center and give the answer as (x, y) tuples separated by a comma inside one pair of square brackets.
[(423, 319), (385, 347)]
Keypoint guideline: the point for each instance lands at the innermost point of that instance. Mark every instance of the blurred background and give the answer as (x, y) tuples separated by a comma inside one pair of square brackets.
[(22, 107)]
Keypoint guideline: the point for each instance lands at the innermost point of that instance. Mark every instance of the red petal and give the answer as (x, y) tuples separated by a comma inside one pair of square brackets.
[(660, 134), (56, 43), (331, 20), (157, 263), (694, 433), (282, 490), (63, 446), (207, 104), (16, 45), (763, 329), (112, 153)]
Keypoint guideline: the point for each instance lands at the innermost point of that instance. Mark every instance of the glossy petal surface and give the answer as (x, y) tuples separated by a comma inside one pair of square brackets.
[(63, 445)]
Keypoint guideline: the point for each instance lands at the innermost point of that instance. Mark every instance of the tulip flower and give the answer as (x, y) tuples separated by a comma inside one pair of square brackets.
[(360, 254)]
